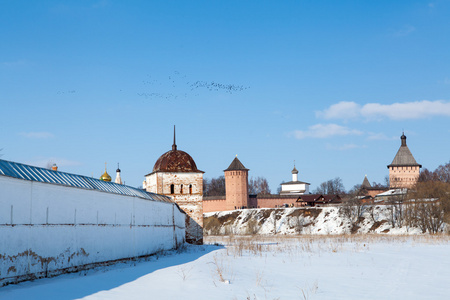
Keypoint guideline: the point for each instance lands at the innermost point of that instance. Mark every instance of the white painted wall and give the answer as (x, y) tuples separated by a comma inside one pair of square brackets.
[(47, 227), (300, 188)]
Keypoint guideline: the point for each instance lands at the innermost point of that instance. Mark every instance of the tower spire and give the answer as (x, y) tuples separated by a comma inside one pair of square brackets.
[(174, 146)]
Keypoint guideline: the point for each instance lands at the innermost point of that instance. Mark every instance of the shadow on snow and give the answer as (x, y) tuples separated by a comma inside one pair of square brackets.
[(85, 283)]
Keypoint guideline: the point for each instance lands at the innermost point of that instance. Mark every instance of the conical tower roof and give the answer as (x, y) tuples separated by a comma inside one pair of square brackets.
[(404, 156), (236, 165), (366, 183)]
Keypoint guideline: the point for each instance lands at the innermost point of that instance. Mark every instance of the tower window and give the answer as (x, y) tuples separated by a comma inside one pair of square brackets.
[(172, 189), (181, 189), (190, 189)]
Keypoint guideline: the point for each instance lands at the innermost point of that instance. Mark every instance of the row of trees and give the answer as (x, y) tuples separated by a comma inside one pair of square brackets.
[(426, 206), (216, 186), (442, 174), (260, 186)]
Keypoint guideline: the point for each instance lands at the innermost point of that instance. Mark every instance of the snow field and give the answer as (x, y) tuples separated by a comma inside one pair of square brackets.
[(308, 267)]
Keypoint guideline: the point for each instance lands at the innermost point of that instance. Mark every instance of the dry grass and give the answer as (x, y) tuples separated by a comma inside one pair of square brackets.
[(260, 245), (221, 270)]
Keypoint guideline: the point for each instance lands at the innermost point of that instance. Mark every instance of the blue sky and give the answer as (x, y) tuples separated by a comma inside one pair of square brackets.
[(329, 84)]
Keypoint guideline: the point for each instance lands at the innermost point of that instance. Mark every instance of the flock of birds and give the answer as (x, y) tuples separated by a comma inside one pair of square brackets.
[(186, 88), (66, 92), (180, 87), (215, 86)]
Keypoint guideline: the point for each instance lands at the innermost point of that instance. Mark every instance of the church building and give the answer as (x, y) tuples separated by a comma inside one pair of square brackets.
[(294, 187), (175, 174)]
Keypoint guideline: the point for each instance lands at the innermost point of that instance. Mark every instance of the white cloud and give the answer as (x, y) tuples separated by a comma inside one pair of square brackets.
[(344, 147), (341, 110), (404, 31), (394, 111), (37, 135), (407, 110), (17, 63), (379, 136), (325, 130)]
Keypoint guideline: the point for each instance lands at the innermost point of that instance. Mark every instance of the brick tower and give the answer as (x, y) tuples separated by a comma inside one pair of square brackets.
[(404, 170), (175, 174), (236, 185)]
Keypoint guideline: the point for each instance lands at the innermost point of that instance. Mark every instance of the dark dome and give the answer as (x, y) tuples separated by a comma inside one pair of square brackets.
[(175, 161)]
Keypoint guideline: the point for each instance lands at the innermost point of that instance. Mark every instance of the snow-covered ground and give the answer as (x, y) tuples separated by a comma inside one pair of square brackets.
[(307, 267), (315, 221)]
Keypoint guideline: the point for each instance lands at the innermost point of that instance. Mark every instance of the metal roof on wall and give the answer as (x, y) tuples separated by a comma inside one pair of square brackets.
[(26, 172)]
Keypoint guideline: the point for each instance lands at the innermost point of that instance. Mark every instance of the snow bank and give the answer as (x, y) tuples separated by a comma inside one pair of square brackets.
[(320, 220)]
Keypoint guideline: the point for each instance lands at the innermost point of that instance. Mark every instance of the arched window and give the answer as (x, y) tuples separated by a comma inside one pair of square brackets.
[(181, 189), (190, 189), (172, 189)]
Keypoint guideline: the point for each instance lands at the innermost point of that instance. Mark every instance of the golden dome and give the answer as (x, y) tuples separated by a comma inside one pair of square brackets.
[(105, 176)]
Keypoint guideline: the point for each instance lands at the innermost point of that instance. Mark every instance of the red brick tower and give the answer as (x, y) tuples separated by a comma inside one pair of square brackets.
[(236, 185), (404, 171)]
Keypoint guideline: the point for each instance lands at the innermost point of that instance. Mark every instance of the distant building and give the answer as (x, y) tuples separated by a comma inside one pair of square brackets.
[(391, 196), (294, 187), (318, 200), (404, 170), (367, 191), (293, 193), (175, 174)]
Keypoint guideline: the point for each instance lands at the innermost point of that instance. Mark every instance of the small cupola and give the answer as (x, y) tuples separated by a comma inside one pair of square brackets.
[(118, 177), (403, 138), (105, 176), (294, 173)]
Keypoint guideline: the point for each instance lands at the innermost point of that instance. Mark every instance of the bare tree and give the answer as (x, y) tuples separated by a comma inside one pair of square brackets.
[(259, 186), (386, 181), (429, 205), (332, 186), (426, 175), (442, 173), (353, 206), (279, 188), (395, 207), (214, 187)]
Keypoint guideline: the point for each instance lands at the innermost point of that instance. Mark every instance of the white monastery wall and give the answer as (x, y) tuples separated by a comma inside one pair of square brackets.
[(48, 229)]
